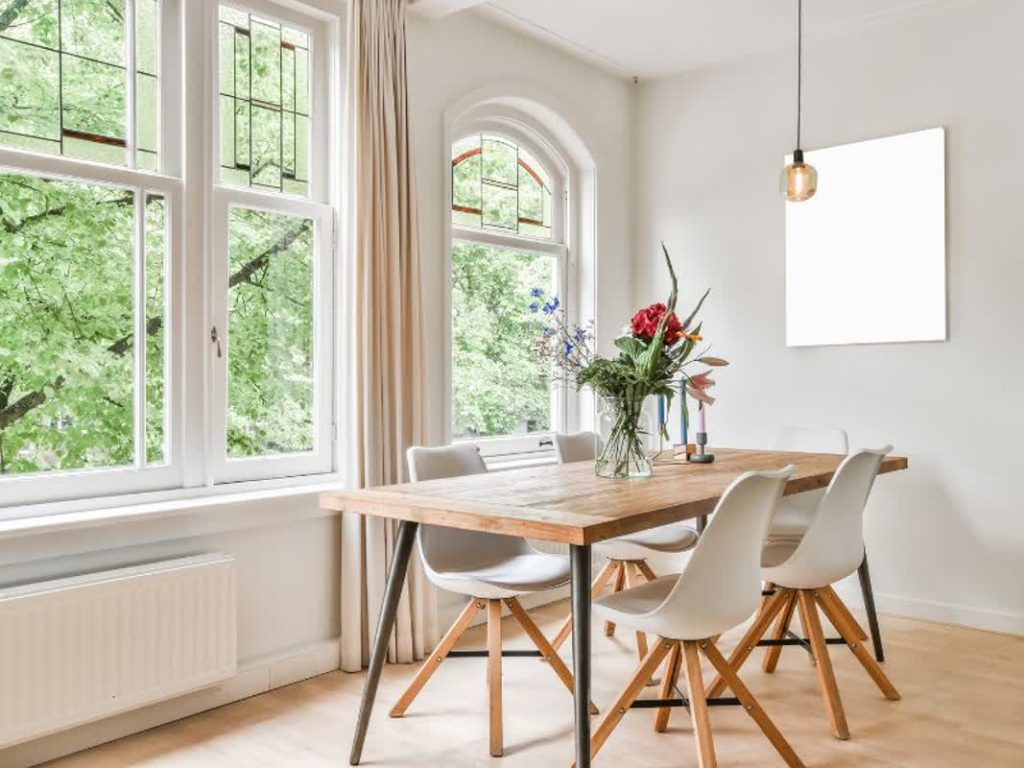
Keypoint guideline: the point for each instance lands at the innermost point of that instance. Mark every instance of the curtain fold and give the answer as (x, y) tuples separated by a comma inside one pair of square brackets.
[(387, 377)]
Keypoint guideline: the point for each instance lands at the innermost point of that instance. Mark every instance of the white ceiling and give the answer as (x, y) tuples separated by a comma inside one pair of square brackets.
[(651, 38)]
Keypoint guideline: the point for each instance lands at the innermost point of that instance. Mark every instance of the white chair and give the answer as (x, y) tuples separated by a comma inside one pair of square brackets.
[(802, 573), (490, 569), (795, 514), (626, 555), (718, 589)]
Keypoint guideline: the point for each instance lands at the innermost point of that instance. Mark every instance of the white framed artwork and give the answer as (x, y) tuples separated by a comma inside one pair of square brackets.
[(866, 256)]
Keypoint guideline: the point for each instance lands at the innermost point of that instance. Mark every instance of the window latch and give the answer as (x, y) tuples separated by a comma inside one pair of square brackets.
[(215, 339), (546, 442)]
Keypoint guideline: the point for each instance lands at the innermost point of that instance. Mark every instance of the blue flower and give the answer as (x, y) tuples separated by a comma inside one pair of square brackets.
[(552, 306), (537, 293), (568, 348), (580, 335), (535, 308), (549, 332)]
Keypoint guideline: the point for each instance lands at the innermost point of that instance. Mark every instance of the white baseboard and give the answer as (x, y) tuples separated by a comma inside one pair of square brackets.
[(254, 677), (939, 612)]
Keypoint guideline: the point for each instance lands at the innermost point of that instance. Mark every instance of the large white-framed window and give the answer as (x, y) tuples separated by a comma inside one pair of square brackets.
[(509, 245), (272, 227), (131, 228)]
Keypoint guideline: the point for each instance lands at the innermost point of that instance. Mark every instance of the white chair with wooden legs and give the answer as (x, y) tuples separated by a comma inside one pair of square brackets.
[(802, 574), (718, 589), (626, 565), (492, 570), (797, 512)]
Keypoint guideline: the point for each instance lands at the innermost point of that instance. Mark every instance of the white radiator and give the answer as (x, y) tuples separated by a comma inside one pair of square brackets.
[(82, 648)]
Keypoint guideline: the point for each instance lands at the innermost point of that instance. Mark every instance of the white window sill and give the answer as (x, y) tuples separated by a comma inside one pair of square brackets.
[(254, 496)]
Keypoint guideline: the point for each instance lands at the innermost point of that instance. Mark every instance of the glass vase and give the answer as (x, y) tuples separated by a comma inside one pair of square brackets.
[(623, 427)]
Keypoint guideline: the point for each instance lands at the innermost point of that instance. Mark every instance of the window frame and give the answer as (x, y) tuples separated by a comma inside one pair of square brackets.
[(187, 178), (18, 491), (512, 448), (318, 205)]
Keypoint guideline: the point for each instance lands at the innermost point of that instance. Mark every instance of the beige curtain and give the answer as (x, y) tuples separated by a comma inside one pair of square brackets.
[(387, 377)]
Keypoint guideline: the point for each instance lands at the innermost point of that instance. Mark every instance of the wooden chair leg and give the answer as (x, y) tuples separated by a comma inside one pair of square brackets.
[(844, 611), (633, 580), (832, 607), (751, 704), (620, 580), (494, 676), (826, 675), (771, 657), (746, 645), (596, 590), (699, 706), (668, 683), (614, 714), (549, 653), (646, 570), (433, 662)]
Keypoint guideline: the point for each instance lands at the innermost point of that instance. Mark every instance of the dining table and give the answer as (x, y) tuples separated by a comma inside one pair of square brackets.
[(567, 504)]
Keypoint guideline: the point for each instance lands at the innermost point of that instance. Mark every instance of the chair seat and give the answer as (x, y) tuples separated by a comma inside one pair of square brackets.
[(794, 514), (676, 537), (506, 578), (778, 549)]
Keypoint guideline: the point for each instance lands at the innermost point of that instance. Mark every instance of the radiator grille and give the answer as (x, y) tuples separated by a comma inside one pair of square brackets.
[(82, 648)]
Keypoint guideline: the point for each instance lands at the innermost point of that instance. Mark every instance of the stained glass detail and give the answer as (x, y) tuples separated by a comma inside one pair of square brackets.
[(68, 71), (498, 185), (264, 103)]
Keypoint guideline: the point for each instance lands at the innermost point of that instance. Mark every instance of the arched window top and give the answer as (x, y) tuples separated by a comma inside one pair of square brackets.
[(500, 186)]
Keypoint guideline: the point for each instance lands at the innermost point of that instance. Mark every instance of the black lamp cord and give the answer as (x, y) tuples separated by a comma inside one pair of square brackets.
[(799, 66)]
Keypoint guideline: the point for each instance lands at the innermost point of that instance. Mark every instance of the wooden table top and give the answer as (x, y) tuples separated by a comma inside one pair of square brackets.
[(570, 504)]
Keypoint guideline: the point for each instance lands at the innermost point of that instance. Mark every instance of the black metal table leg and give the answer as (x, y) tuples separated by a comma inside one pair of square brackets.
[(580, 559), (396, 581), (869, 606)]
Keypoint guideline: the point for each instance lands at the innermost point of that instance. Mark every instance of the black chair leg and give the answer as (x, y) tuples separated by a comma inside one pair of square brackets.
[(869, 606)]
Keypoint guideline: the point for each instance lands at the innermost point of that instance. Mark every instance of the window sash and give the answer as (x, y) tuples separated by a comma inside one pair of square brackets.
[(321, 458), (37, 487), (531, 445)]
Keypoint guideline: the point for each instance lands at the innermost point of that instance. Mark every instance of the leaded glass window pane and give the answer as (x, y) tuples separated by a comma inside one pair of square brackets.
[(264, 94), (498, 185), (68, 71)]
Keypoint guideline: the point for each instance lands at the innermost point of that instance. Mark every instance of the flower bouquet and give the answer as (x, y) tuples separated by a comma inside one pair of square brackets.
[(654, 352)]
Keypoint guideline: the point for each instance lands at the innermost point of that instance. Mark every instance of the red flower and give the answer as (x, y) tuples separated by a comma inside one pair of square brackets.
[(646, 321)]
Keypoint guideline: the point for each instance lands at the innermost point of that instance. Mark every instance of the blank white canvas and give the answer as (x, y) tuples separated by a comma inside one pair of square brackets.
[(866, 256)]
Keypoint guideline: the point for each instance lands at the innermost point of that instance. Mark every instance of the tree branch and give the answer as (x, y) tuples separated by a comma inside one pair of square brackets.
[(11, 13), (250, 268), (19, 408)]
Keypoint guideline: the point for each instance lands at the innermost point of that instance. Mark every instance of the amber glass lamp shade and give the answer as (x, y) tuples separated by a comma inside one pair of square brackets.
[(799, 180)]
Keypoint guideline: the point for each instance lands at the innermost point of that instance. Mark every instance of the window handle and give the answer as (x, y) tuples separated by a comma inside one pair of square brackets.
[(547, 441), (215, 339)]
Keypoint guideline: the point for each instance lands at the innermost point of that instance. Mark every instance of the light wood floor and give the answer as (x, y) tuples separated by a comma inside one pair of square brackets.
[(963, 705)]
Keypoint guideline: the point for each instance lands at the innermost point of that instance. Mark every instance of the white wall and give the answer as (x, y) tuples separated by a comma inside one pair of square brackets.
[(464, 54), (946, 539)]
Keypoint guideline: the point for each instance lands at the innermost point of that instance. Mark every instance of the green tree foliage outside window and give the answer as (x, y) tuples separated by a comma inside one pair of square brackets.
[(270, 351), (498, 386)]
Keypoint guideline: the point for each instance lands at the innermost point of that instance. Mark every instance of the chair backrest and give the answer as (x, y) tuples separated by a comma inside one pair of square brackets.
[(833, 546), (579, 446), (806, 440), (444, 549), (721, 583)]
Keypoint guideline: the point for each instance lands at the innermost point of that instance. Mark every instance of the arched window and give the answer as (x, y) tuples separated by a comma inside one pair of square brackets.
[(508, 230)]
